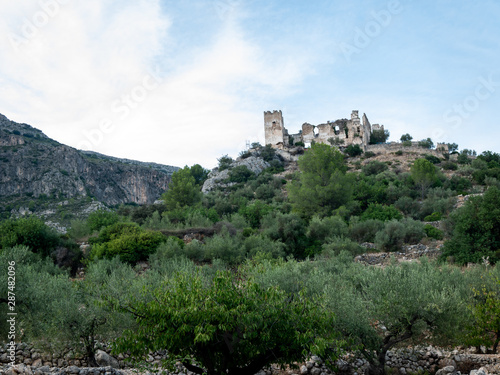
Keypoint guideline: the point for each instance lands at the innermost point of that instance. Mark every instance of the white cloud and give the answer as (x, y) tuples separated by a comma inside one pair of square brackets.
[(95, 62)]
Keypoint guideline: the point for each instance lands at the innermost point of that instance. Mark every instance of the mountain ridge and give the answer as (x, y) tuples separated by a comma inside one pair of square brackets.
[(34, 165)]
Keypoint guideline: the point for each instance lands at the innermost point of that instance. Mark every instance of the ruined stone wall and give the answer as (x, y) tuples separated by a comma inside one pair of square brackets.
[(386, 148), (345, 132)]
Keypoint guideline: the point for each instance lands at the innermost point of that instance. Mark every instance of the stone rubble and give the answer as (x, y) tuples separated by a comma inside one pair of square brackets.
[(408, 253)]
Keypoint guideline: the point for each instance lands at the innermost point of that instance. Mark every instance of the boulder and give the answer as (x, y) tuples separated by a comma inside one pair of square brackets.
[(446, 370), (103, 359)]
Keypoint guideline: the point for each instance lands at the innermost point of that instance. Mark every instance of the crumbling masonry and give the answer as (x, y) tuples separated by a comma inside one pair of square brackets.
[(342, 132)]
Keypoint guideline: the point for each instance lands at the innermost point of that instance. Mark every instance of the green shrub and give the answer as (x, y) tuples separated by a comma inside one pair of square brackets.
[(79, 228), (114, 231), (340, 244), (399, 152), (374, 167), (353, 150), (396, 233), (435, 216), (258, 245), (254, 212), (328, 227), (289, 229), (126, 240), (171, 248), (459, 184), (241, 173), (245, 154), (101, 218), (224, 247), (369, 154), (433, 159), (408, 206), (433, 232), (268, 153), (449, 165), (225, 162), (29, 231), (435, 203), (365, 231), (381, 212), (132, 248), (265, 192)]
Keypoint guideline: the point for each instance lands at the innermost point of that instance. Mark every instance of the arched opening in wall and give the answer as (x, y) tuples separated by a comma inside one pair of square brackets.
[(359, 129), (336, 130), (315, 131)]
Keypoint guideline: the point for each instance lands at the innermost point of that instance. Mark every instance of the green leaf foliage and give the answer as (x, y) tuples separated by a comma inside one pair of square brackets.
[(226, 325), (126, 240), (30, 231), (101, 218), (381, 212)]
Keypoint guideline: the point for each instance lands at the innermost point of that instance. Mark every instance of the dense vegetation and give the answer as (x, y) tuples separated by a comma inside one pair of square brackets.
[(260, 270)]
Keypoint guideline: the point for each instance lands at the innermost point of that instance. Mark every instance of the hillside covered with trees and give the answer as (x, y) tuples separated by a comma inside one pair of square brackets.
[(260, 269)]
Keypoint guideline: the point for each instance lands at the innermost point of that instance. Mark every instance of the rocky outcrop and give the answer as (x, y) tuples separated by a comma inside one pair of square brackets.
[(218, 178), (34, 165)]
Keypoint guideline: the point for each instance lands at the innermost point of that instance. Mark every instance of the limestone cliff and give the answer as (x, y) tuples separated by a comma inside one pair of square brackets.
[(31, 164)]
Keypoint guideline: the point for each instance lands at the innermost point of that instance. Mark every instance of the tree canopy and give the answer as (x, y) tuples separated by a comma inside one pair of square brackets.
[(183, 190), (476, 233), (225, 325), (322, 186)]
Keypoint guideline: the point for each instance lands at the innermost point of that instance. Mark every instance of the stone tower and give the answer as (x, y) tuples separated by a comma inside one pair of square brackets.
[(274, 127)]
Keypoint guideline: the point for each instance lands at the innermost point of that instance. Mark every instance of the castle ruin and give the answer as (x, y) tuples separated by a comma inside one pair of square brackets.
[(341, 132)]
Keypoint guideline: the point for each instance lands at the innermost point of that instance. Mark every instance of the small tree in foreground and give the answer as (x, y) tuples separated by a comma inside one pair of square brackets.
[(225, 326), (485, 326)]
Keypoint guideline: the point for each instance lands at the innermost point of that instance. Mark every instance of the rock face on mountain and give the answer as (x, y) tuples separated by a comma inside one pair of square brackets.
[(34, 165)]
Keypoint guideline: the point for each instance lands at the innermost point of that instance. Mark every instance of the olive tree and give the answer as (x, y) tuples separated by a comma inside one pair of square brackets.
[(57, 312), (408, 302)]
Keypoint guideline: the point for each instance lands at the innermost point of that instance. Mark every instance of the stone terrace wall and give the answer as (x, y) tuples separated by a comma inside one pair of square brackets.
[(31, 361)]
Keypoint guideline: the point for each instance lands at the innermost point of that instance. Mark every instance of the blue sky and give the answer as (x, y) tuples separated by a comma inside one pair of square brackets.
[(186, 81)]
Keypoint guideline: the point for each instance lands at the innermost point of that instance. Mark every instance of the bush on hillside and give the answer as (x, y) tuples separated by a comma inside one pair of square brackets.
[(29, 231), (365, 231), (397, 233)]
